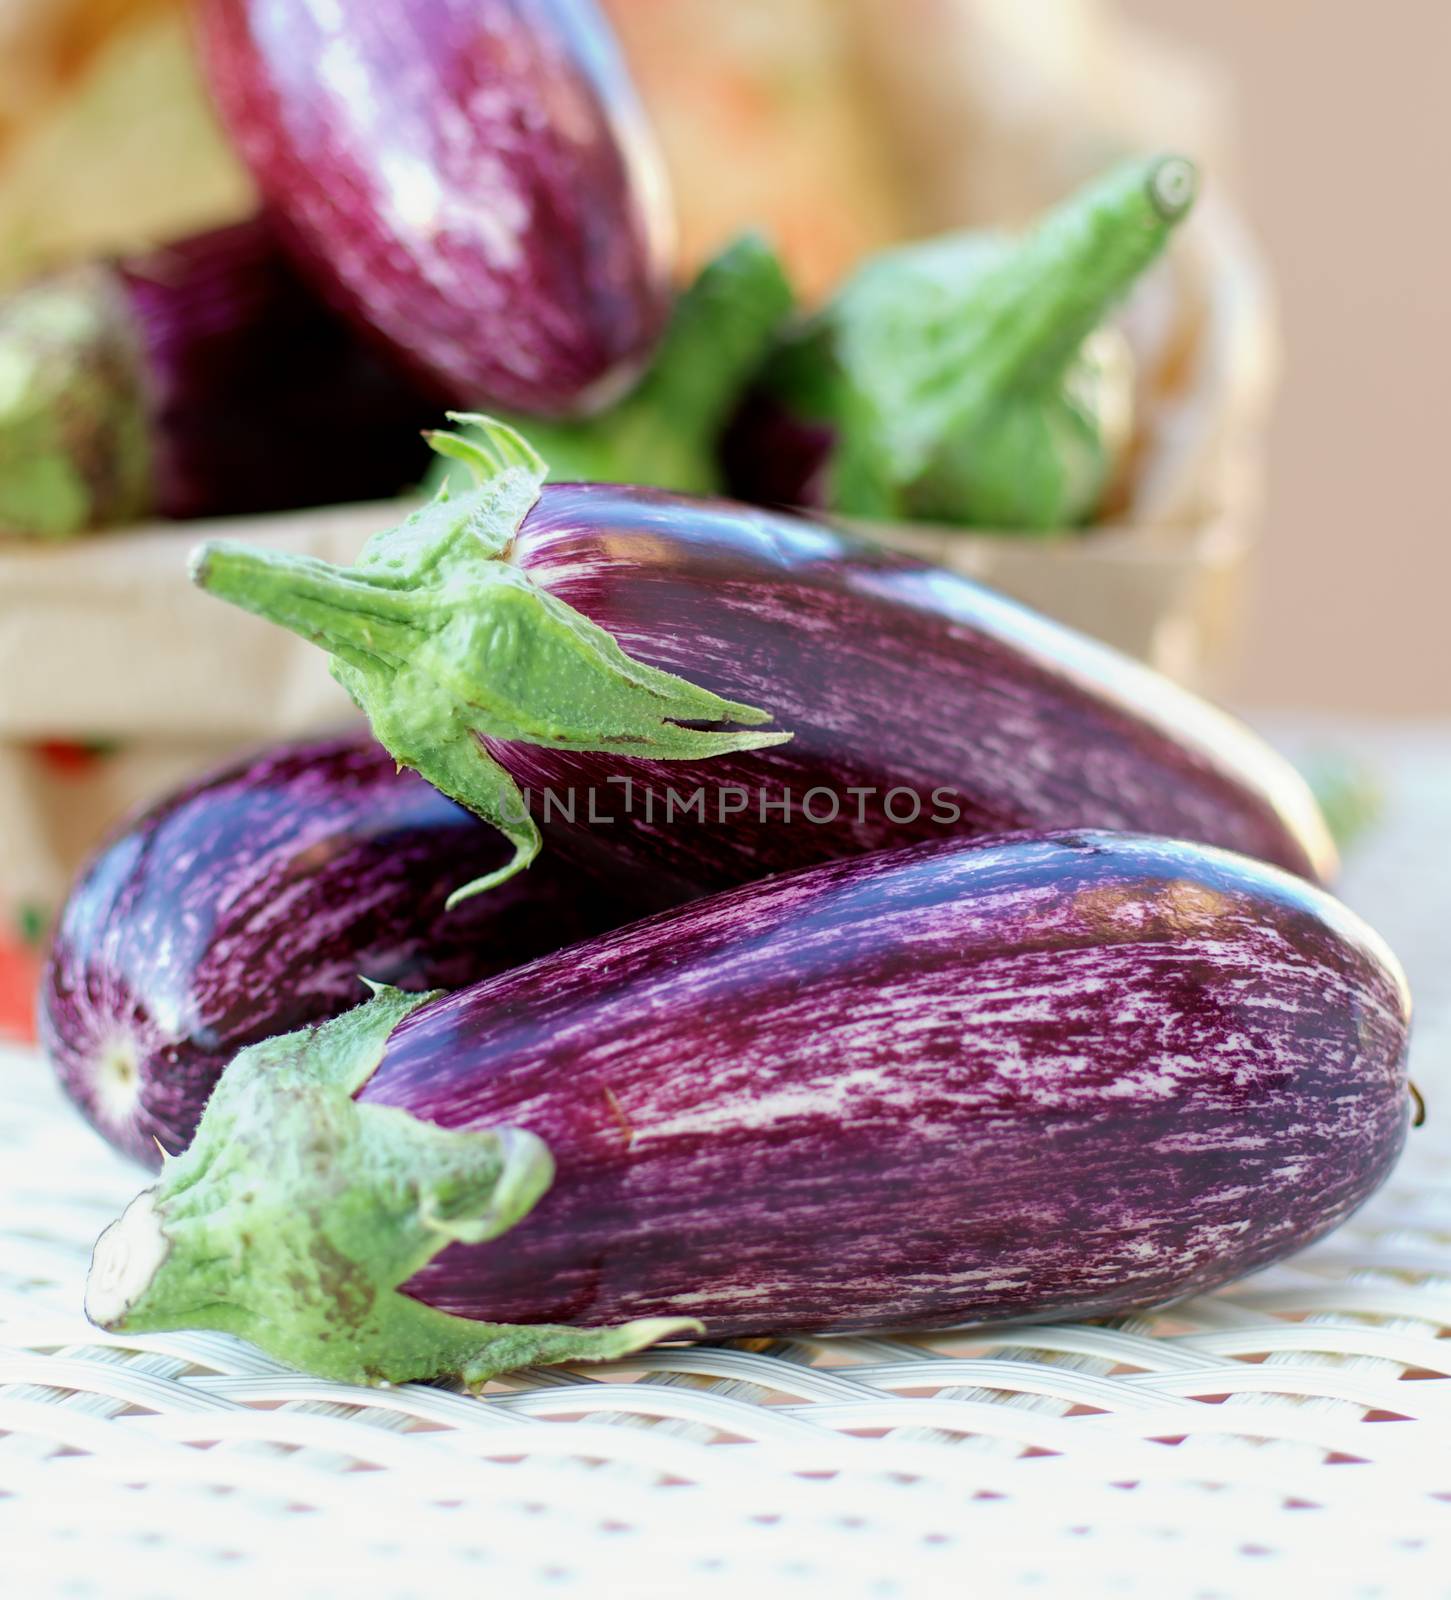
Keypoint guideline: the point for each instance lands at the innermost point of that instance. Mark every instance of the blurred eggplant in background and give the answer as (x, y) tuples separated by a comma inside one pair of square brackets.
[(666, 431), (473, 180), (200, 379), (967, 379)]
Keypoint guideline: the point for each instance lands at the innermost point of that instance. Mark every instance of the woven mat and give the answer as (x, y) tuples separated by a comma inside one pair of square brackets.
[(1293, 1430)]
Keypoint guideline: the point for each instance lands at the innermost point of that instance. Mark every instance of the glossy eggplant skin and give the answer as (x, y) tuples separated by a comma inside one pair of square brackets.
[(1048, 1075), (921, 704), (252, 902), (470, 179)]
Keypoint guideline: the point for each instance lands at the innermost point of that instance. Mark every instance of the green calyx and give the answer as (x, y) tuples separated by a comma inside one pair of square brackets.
[(969, 379), (444, 643), (74, 449), (297, 1213), (664, 433)]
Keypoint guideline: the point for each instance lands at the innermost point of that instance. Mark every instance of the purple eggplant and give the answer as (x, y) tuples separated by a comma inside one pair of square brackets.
[(473, 180), (201, 379), (250, 903), (570, 648), (1042, 1076)]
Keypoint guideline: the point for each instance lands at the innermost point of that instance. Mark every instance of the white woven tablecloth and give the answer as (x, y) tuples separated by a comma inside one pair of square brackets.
[(1289, 1436)]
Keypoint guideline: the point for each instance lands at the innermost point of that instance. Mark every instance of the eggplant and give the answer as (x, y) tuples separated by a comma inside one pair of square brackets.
[(967, 379), (571, 647), (247, 905), (471, 180), (200, 379), (665, 432), (1044, 1076)]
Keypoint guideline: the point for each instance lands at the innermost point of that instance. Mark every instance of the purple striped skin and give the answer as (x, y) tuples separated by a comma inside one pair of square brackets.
[(1049, 1075), (890, 674), (251, 903), (472, 180)]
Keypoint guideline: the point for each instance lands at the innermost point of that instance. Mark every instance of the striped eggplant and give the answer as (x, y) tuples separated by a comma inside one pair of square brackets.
[(471, 181), (200, 379), (248, 904), (522, 644), (1041, 1076)]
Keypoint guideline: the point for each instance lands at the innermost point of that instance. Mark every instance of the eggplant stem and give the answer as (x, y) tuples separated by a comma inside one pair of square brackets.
[(298, 1215), (443, 642)]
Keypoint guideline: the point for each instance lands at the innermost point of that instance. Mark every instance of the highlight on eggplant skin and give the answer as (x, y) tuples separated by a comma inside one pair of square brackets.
[(249, 903), (473, 181), (1042, 1076)]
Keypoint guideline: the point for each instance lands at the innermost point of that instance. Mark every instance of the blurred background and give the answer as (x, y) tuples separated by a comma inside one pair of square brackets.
[(1344, 132), (1329, 126)]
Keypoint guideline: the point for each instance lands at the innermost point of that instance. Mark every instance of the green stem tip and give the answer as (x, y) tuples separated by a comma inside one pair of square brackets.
[(1173, 184), (444, 642), (972, 378)]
